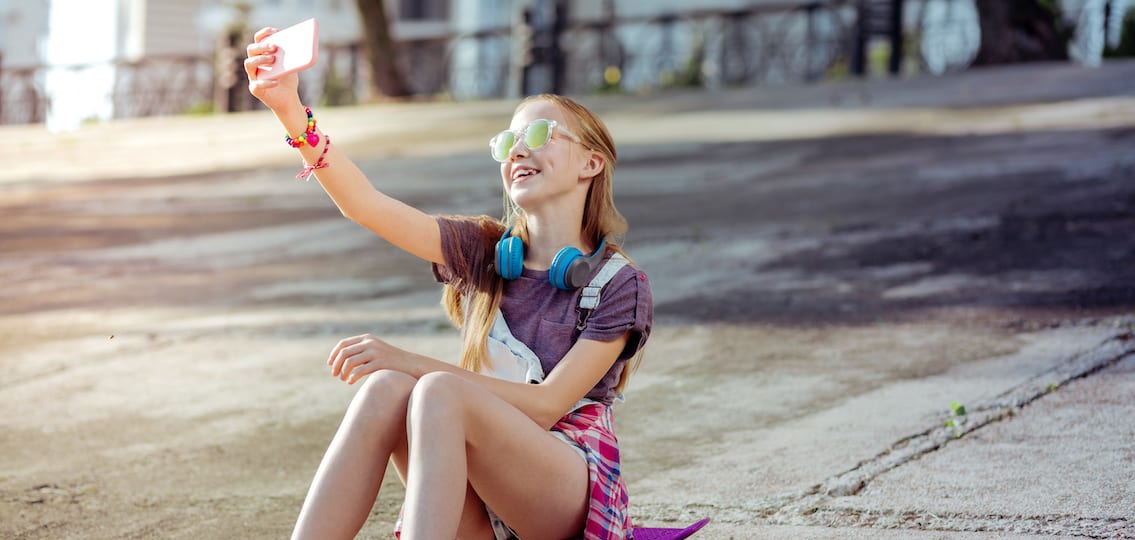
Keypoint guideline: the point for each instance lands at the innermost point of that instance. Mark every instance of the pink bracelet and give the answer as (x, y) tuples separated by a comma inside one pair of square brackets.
[(309, 137), (308, 170)]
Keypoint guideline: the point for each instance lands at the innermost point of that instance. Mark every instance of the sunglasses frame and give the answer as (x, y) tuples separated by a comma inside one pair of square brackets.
[(553, 126)]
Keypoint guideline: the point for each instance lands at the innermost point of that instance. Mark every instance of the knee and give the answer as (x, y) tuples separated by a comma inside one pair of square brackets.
[(384, 390), (437, 394)]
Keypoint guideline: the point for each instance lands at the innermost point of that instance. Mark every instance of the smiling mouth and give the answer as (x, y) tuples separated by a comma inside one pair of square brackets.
[(524, 174)]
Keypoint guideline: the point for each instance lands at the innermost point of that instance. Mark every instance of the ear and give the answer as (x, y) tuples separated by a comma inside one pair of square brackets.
[(592, 166)]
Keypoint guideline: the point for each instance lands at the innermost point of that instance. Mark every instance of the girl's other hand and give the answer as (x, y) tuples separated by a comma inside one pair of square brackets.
[(355, 357), (275, 94)]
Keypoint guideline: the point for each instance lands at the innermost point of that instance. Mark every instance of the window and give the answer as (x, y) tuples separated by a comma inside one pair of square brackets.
[(423, 10)]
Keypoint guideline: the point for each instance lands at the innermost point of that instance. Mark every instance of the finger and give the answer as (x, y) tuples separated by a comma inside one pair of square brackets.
[(345, 342), (253, 63), (353, 362), (257, 85), (352, 355), (263, 33), (361, 371), (338, 363), (260, 49), (348, 356)]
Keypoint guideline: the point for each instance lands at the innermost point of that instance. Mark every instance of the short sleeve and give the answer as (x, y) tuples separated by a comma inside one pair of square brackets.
[(625, 304), (463, 249)]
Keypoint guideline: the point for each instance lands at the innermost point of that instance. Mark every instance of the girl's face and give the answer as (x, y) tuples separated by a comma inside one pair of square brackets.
[(534, 177)]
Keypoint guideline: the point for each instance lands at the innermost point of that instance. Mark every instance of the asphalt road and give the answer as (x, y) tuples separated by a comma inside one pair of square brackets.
[(833, 267)]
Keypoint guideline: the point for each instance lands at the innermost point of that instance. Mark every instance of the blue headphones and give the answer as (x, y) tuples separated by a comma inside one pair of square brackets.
[(570, 268)]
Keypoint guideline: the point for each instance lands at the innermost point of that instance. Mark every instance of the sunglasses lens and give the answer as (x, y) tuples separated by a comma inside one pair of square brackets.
[(538, 134), (501, 144)]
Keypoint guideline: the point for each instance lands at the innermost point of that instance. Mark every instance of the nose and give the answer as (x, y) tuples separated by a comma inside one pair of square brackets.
[(519, 149)]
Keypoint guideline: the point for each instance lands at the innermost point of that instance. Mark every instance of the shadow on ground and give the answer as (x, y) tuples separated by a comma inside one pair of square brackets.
[(858, 229)]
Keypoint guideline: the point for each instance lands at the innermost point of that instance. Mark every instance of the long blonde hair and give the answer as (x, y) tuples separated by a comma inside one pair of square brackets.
[(600, 220)]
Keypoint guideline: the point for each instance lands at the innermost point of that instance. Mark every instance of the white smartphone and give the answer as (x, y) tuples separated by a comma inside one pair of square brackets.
[(297, 48)]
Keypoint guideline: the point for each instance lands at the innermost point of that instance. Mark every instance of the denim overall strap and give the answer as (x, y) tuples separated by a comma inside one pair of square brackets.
[(511, 359), (589, 298)]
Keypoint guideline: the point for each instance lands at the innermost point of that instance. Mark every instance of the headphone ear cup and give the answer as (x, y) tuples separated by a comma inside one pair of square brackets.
[(510, 257), (562, 265)]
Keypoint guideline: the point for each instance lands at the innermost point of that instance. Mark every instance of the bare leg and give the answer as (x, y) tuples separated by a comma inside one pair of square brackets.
[(474, 519), (347, 482), (459, 432)]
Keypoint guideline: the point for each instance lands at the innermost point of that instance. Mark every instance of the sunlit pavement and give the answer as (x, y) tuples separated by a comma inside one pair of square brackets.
[(834, 267)]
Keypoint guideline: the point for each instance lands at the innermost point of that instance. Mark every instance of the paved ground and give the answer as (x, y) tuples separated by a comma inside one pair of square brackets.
[(834, 266)]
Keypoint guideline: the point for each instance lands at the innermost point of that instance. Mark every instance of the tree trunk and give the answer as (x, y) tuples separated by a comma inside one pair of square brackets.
[(386, 79), (1020, 31)]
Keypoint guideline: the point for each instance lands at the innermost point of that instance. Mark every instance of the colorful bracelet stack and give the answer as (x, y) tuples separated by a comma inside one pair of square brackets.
[(308, 170), (310, 137)]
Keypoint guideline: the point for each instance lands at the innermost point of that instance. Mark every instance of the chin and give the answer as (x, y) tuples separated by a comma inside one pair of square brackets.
[(523, 198)]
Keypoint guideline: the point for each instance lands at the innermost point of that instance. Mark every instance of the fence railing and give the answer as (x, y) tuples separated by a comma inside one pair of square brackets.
[(789, 42)]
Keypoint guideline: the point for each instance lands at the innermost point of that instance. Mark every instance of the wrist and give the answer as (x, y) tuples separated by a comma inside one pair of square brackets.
[(413, 364), (293, 117)]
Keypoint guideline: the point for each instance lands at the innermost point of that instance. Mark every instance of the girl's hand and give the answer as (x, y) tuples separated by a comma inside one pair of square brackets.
[(358, 356), (277, 94)]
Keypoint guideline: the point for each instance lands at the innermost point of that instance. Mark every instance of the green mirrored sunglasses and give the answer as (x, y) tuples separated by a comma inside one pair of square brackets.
[(533, 136)]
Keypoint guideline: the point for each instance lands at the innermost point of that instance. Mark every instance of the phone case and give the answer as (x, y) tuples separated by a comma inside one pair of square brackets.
[(297, 48)]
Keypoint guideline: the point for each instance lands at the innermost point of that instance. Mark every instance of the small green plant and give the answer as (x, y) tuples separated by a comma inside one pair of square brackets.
[(957, 418)]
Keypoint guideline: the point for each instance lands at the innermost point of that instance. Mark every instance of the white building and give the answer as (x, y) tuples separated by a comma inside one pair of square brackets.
[(84, 51), (95, 50)]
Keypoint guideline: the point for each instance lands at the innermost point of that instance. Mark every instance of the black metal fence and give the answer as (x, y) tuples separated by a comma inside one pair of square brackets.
[(789, 42), (22, 96)]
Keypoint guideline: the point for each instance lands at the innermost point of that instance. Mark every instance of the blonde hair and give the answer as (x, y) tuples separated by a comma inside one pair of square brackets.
[(600, 220)]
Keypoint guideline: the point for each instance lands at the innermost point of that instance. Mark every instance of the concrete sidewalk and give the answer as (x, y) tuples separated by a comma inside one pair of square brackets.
[(832, 267), (1051, 457)]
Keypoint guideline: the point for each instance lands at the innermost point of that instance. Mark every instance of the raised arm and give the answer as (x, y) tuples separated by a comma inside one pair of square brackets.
[(400, 224)]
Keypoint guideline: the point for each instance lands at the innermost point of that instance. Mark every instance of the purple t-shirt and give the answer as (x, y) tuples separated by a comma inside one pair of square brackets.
[(544, 317)]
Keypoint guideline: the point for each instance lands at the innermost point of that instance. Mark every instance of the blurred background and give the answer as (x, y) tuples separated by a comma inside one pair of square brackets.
[(66, 62)]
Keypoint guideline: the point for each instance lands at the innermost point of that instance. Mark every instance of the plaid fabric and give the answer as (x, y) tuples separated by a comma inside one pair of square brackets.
[(590, 427), (592, 430)]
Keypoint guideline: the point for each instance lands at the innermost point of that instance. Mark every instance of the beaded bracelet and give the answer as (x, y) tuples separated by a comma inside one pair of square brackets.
[(308, 170), (310, 137)]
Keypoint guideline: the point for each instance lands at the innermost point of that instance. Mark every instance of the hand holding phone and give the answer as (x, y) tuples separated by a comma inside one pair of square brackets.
[(297, 48)]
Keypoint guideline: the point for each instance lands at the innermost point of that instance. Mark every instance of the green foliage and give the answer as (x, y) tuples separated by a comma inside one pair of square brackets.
[(201, 108), (612, 81), (1126, 47), (336, 90), (1051, 6), (689, 75), (839, 70), (958, 409)]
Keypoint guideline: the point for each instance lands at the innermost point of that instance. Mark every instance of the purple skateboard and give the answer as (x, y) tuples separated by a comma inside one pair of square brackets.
[(644, 533)]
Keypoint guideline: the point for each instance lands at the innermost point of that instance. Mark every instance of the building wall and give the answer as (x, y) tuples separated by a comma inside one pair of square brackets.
[(23, 31), (170, 27)]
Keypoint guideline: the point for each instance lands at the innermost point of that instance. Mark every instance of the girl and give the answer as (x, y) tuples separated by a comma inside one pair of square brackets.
[(517, 441)]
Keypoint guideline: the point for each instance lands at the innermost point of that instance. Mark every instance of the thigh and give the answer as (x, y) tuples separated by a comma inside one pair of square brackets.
[(519, 469)]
